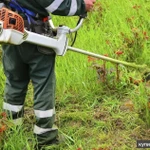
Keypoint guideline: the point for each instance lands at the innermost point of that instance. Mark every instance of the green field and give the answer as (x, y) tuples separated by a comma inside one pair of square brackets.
[(99, 105)]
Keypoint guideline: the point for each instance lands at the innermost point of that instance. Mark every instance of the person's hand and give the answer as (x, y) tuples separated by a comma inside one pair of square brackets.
[(89, 4)]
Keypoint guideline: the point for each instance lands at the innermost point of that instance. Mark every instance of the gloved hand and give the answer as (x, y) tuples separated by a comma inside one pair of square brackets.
[(89, 4)]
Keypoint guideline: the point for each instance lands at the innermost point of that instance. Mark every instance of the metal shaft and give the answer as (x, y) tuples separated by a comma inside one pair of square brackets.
[(106, 58)]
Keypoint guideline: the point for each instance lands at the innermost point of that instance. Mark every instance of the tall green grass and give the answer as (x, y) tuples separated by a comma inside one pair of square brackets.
[(92, 114)]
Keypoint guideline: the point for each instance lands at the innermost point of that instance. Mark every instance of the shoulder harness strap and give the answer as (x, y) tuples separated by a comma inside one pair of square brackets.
[(13, 4)]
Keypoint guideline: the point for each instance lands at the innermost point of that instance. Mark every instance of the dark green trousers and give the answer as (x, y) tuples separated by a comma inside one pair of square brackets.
[(22, 64)]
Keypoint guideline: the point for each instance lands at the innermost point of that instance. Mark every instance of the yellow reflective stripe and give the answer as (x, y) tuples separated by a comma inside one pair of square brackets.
[(54, 6), (44, 114), (39, 130), (10, 107), (73, 8)]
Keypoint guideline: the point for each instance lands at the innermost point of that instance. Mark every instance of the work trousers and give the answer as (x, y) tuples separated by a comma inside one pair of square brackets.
[(22, 64)]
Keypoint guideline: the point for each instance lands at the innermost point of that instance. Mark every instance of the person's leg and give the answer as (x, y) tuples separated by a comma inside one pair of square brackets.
[(42, 76), (17, 80)]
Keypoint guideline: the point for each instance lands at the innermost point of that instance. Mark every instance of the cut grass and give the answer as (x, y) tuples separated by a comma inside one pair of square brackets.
[(92, 114)]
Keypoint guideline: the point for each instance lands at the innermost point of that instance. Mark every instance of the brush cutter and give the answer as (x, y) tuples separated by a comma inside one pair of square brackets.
[(12, 31)]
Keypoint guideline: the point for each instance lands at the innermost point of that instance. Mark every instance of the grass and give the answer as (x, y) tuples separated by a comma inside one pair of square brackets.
[(97, 110)]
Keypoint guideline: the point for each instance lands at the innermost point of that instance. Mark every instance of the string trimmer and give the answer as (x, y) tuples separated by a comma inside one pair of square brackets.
[(12, 31)]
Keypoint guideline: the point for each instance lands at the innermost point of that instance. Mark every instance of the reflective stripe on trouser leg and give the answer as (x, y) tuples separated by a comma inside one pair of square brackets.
[(43, 78), (17, 80), (45, 120), (15, 112), (45, 129)]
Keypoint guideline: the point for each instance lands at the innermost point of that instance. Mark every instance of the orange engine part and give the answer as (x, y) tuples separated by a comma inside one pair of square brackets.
[(11, 20)]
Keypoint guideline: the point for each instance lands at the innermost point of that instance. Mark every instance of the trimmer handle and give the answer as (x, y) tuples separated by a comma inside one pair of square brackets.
[(82, 17), (79, 24)]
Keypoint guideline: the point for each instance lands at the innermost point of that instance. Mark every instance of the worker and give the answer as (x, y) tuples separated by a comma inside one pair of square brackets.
[(27, 63)]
